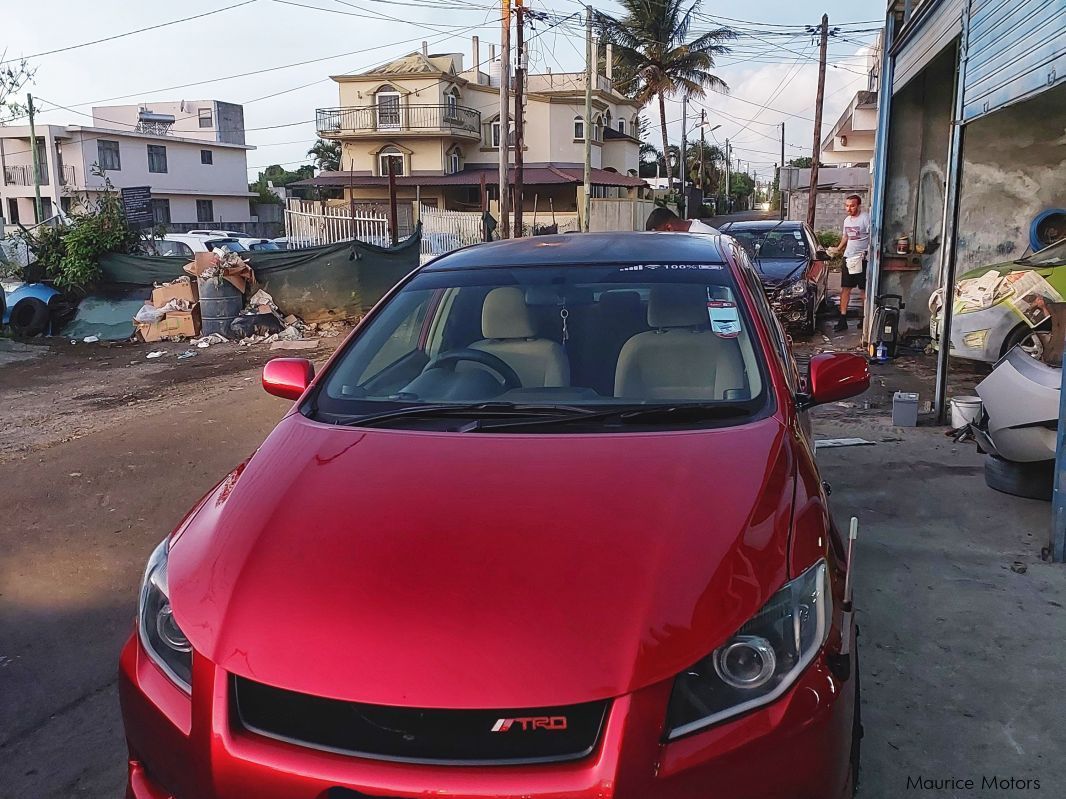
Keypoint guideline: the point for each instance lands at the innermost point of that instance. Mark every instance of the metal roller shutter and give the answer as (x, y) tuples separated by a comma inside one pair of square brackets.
[(1017, 48), (935, 30)]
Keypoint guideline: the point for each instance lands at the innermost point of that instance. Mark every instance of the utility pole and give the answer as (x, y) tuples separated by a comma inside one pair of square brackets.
[(505, 117), (37, 208), (813, 196), (703, 150), (728, 192), (590, 68), (683, 166), (519, 116), (781, 172)]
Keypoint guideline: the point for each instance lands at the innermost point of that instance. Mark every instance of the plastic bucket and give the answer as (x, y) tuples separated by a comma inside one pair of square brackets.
[(220, 303), (965, 410)]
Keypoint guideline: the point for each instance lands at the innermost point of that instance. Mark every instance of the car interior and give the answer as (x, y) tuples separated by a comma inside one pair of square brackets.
[(633, 343)]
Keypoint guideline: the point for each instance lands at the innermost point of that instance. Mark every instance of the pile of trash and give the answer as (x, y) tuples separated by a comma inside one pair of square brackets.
[(173, 311)]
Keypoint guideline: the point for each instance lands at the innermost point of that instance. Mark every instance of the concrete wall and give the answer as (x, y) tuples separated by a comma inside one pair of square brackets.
[(830, 212), (1014, 166), (919, 132)]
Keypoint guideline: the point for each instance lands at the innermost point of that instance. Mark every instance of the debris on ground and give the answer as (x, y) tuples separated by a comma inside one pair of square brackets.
[(207, 341), (830, 443), (156, 354), (91, 339), (187, 354), (299, 344)]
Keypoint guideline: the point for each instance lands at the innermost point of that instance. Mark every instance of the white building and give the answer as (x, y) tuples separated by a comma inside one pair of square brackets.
[(192, 155)]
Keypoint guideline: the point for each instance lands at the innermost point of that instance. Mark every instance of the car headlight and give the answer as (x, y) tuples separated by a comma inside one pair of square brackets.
[(160, 635), (797, 288), (976, 339), (760, 662)]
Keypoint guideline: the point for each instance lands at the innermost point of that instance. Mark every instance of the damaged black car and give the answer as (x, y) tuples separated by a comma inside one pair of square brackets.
[(793, 269)]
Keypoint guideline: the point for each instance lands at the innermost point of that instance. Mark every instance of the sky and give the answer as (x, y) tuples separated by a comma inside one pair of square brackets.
[(771, 78)]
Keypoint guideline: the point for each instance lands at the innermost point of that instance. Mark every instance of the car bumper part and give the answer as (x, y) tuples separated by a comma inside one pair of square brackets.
[(182, 748), (978, 335), (793, 311)]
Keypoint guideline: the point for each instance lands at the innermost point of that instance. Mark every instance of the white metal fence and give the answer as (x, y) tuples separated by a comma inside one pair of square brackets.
[(310, 224), (444, 231)]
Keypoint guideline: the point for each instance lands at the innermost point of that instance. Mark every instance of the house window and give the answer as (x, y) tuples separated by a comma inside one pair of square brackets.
[(160, 212), (597, 128), (13, 210), (388, 108), (205, 118), (622, 126), (453, 165), (207, 157), (157, 158), (107, 155), (451, 105), (495, 134), (390, 156), (579, 128), (205, 211)]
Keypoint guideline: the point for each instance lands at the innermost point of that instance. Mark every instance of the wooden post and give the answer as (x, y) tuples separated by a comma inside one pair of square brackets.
[(590, 73), (393, 227), (505, 113)]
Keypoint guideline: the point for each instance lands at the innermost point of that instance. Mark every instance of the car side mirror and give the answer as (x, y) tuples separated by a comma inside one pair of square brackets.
[(835, 376), (288, 377), (822, 255)]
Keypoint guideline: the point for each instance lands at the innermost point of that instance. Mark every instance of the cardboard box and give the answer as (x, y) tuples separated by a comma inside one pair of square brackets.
[(176, 323), (181, 323), (187, 291)]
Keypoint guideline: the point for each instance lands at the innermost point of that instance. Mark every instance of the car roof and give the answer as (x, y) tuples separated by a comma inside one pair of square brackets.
[(579, 249), (762, 224)]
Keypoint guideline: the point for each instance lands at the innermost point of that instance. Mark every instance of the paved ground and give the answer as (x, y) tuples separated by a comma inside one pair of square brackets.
[(962, 624)]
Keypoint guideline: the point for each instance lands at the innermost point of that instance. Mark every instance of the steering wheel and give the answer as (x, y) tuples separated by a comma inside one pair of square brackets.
[(448, 360)]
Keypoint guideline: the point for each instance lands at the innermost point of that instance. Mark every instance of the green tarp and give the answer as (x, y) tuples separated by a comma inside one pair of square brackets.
[(338, 281)]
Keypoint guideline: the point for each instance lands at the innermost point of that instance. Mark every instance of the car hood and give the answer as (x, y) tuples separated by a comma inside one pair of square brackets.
[(775, 271), (472, 570)]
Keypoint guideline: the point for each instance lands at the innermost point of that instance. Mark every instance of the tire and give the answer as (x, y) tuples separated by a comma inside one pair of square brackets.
[(29, 318), (810, 326), (1030, 339), (1029, 480)]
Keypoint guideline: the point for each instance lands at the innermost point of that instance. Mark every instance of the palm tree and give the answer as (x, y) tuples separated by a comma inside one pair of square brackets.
[(650, 42), (327, 155)]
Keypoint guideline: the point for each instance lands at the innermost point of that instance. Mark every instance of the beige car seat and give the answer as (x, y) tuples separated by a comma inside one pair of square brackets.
[(507, 326), (681, 358)]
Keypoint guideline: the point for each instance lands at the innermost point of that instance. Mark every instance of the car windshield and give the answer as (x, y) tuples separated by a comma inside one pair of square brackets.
[(1055, 255), (772, 242), (591, 336), (230, 244)]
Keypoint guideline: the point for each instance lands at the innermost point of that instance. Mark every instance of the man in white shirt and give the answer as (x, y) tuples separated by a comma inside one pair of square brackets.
[(665, 219), (855, 244)]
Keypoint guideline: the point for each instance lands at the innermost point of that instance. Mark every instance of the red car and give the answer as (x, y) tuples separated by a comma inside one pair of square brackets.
[(548, 525)]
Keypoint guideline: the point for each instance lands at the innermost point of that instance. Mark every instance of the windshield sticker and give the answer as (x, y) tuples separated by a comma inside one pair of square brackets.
[(671, 267), (725, 319)]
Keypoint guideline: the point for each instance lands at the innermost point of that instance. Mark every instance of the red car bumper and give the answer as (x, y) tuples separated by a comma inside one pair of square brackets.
[(796, 748)]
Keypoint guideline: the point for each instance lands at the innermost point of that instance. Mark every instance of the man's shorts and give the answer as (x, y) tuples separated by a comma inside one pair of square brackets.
[(853, 281)]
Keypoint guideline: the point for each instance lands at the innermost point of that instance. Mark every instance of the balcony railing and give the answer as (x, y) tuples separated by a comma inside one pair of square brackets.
[(22, 175), (67, 176), (399, 119)]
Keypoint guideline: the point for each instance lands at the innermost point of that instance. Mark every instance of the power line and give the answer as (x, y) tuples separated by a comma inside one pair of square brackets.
[(129, 33)]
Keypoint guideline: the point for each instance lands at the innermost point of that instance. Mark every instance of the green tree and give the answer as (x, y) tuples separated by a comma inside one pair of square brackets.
[(803, 163), (326, 154), (13, 76), (278, 176), (651, 45)]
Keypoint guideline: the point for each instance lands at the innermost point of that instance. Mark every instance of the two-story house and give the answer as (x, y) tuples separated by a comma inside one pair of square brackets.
[(437, 125), (191, 153)]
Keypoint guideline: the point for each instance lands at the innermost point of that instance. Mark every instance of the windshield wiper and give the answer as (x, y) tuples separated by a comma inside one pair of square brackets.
[(476, 410), (685, 412)]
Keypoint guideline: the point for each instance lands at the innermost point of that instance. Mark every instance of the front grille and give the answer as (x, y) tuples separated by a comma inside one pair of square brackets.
[(460, 737)]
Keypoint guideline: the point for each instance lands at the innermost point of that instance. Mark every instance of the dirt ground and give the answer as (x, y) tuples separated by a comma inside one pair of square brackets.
[(104, 450)]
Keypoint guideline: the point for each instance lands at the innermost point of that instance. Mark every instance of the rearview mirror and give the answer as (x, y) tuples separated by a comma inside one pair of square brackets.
[(288, 377), (835, 376)]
